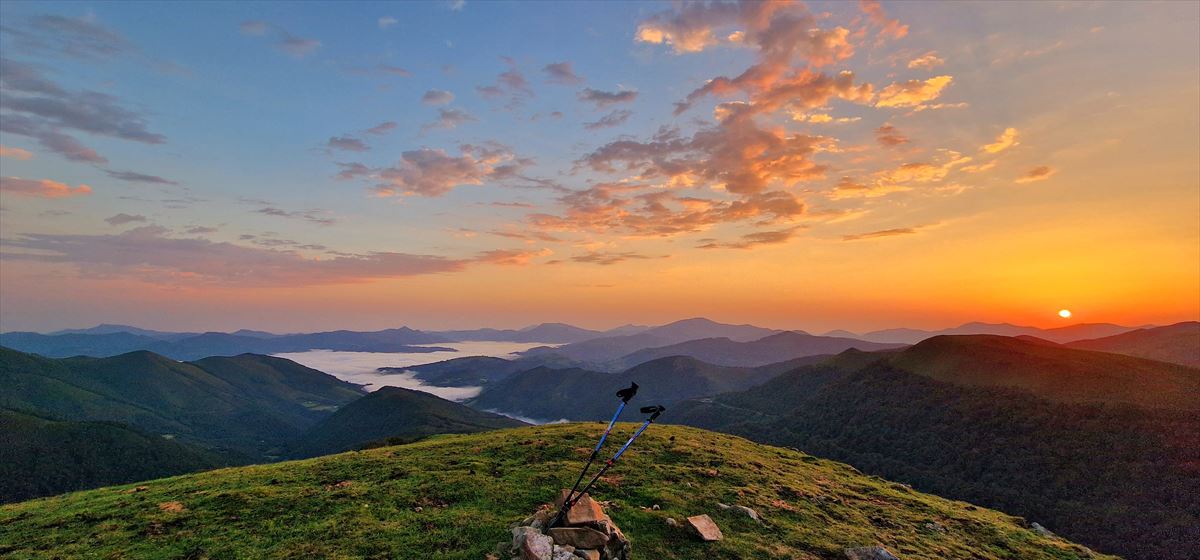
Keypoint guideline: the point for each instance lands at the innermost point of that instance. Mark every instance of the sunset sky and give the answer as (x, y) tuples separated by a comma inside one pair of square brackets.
[(453, 164)]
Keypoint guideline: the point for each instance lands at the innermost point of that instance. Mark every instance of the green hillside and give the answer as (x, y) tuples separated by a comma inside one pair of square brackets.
[(249, 405), (452, 497), (392, 412), (40, 456), (1178, 343), (1053, 372), (1114, 476)]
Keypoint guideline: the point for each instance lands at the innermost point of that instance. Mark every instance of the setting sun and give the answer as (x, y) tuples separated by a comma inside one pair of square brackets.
[(1064, 313)]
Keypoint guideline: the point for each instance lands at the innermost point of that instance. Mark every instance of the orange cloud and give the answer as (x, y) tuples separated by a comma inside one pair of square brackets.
[(881, 233), (430, 172), (15, 153), (927, 61), (41, 188), (890, 136), (1006, 140), (889, 28), (912, 92)]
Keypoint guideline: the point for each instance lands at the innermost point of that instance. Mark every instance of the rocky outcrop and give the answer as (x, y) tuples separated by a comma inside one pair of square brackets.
[(705, 527), (586, 532), (869, 553)]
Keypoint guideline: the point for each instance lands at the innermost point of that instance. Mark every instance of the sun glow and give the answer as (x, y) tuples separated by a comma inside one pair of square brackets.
[(1064, 313)]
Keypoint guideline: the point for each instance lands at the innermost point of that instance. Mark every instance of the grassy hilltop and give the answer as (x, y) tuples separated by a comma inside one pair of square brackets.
[(454, 496)]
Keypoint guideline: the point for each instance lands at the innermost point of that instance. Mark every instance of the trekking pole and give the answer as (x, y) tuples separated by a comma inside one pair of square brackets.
[(654, 412), (624, 395)]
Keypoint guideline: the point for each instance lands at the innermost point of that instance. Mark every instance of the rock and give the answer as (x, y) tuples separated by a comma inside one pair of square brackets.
[(671, 522), (533, 545), (588, 554), (655, 507), (563, 553), (934, 527), (585, 510), (1039, 529), (704, 526), (869, 553), (749, 512), (578, 537)]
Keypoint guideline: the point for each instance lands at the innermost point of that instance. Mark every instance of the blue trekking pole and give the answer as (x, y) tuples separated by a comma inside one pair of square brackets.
[(624, 395), (654, 412)]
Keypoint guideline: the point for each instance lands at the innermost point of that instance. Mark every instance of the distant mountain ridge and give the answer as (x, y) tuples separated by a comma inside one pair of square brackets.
[(770, 349), (601, 350), (1059, 334), (1178, 343)]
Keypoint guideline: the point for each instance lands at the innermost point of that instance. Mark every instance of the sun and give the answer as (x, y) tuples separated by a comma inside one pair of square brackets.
[(1064, 313)]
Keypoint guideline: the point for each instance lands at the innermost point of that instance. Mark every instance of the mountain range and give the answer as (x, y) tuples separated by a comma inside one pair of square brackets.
[(1015, 424)]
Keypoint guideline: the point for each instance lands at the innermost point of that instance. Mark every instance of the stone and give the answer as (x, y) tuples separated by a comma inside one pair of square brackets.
[(1039, 529), (585, 510), (535, 546), (588, 554), (578, 537), (671, 522), (563, 553), (704, 526), (749, 512), (869, 553)]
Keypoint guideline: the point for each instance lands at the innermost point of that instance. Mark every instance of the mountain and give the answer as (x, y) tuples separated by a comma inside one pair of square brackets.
[(600, 350), (470, 371), (247, 406), (107, 328), (1178, 343), (578, 394), (1053, 372), (40, 456), (189, 346), (558, 333), (1060, 334), (392, 413), (453, 498), (1115, 476), (767, 350)]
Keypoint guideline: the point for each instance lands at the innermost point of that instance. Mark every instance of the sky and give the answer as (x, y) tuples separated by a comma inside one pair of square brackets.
[(311, 166)]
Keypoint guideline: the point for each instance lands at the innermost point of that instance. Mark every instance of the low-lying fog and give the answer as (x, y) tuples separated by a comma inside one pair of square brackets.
[(360, 367)]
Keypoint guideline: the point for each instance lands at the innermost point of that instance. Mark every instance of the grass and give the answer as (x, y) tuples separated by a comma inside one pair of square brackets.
[(454, 497)]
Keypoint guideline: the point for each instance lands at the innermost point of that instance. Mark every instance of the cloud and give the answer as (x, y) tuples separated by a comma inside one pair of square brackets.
[(888, 135), (1039, 173), (387, 21), (822, 118), (562, 73), (393, 70), (382, 128), (755, 239), (134, 177), (615, 118), (927, 61), (148, 253), (437, 97), (511, 82), (912, 93), (889, 28), (40, 109), (347, 143), (253, 28), (881, 233), (603, 99), (449, 119), (41, 188), (123, 218), (298, 47), (319, 217), (736, 155), (511, 257), (15, 153), (606, 258), (285, 41), (456, 5), (431, 172), (352, 170), (83, 38), (1004, 141), (200, 230)]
